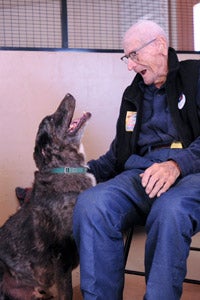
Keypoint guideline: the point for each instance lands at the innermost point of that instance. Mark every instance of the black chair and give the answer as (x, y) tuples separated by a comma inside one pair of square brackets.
[(129, 237)]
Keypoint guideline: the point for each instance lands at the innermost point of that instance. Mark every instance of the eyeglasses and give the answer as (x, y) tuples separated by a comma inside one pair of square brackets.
[(133, 55)]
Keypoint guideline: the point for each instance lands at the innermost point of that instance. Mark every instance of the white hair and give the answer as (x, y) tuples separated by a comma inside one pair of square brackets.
[(143, 31)]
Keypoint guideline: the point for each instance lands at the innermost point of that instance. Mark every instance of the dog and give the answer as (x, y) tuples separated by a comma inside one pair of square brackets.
[(37, 249)]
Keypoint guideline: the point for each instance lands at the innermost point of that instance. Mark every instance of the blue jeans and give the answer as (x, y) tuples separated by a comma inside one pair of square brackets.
[(103, 212)]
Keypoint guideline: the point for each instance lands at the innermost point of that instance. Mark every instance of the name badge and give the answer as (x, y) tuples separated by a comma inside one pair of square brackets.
[(130, 120)]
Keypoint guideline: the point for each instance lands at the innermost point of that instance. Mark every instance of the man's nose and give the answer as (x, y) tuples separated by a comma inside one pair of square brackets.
[(131, 64)]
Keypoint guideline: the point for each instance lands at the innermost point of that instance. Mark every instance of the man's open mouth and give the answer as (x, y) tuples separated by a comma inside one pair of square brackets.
[(143, 72)]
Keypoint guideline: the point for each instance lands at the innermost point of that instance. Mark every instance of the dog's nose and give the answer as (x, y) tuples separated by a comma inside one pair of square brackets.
[(68, 95)]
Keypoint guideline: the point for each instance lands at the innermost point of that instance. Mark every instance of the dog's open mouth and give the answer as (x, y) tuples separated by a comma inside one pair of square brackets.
[(78, 123)]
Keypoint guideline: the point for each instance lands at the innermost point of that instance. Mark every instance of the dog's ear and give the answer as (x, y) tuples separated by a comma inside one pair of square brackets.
[(42, 151)]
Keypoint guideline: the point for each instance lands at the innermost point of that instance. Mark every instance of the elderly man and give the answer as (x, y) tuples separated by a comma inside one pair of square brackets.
[(150, 175)]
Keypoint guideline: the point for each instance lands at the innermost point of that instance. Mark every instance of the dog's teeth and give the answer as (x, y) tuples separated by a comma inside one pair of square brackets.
[(73, 124)]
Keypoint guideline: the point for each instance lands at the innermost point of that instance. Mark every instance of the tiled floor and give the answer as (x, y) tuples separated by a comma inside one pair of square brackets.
[(135, 285)]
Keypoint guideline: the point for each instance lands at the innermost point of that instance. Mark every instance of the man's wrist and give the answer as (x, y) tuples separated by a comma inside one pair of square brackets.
[(176, 165)]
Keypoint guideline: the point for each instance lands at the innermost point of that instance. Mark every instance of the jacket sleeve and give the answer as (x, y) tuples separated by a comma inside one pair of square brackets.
[(188, 159), (104, 167)]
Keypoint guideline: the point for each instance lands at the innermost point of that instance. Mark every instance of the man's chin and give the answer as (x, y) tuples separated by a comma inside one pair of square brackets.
[(147, 81)]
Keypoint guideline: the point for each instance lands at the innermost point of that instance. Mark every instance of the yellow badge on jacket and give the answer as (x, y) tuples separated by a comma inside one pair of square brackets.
[(130, 120)]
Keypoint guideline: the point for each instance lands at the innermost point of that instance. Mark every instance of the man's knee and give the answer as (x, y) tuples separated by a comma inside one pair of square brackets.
[(90, 204), (84, 204), (98, 208)]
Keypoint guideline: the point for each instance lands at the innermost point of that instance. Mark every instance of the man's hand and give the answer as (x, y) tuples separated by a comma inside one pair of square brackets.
[(158, 178)]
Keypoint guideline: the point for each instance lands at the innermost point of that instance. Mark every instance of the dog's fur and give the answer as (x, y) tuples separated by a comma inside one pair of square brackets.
[(37, 251)]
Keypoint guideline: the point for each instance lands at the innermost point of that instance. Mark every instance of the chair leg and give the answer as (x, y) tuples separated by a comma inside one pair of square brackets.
[(127, 246), (188, 280)]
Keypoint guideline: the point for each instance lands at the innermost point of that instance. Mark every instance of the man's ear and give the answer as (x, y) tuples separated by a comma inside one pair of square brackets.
[(162, 44)]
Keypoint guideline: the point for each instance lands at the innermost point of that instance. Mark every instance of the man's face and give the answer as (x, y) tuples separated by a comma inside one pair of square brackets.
[(150, 61)]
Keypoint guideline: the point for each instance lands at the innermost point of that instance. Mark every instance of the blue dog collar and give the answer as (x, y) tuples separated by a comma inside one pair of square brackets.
[(69, 170)]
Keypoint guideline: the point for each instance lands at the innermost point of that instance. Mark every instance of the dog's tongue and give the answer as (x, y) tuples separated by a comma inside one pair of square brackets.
[(73, 125), (79, 122)]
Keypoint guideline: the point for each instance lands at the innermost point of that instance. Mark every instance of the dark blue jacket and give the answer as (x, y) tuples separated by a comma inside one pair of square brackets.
[(183, 79)]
